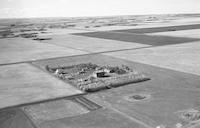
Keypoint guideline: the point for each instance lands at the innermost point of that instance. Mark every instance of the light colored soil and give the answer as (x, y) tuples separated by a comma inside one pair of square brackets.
[(23, 83)]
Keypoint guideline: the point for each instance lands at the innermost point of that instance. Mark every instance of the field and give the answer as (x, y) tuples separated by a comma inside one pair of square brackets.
[(49, 68)]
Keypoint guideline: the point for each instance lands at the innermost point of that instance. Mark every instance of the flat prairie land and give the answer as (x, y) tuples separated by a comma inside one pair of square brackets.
[(165, 48)]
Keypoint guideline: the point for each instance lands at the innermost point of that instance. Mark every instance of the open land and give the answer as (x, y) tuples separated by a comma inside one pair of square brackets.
[(100, 72)]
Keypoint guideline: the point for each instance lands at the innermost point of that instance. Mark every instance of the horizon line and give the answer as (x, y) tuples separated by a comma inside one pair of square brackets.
[(2, 18)]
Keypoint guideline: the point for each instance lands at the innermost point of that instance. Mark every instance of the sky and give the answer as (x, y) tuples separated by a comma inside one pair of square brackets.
[(78, 8)]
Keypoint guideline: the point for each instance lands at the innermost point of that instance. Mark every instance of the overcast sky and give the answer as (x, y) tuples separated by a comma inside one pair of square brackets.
[(70, 8)]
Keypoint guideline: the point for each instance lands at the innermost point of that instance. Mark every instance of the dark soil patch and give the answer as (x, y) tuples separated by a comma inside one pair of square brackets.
[(139, 38), (161, 29), (42, 39), (138, 97)]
